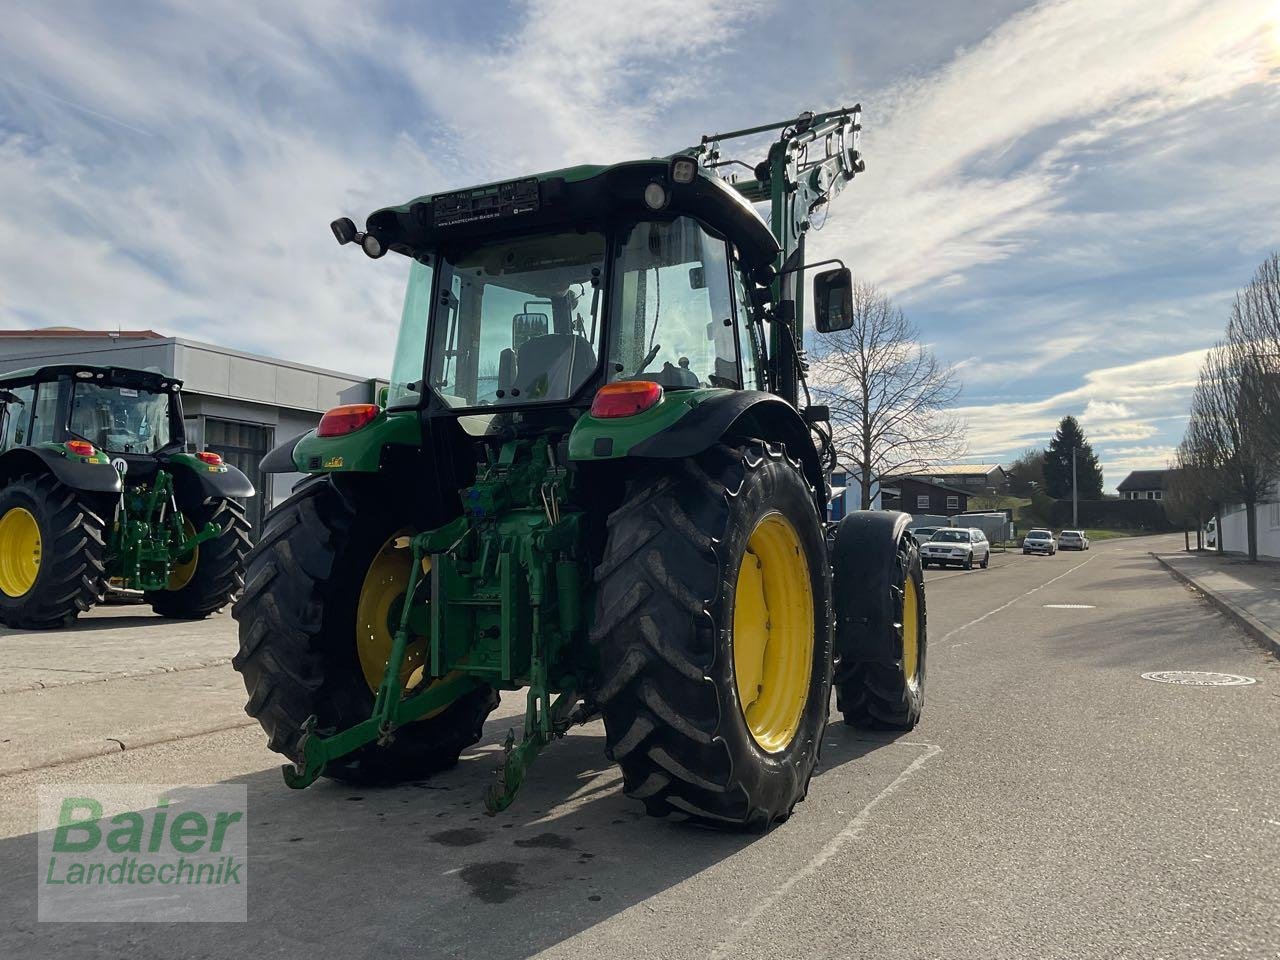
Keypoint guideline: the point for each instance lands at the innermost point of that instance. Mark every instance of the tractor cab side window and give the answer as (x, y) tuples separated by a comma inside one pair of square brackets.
[(673, 308), (16, 417), (411, 344), (750, 334), (44, 420)]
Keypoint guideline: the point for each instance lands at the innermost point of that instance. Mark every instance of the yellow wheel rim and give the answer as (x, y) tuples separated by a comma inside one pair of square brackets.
[(378, 615), (184, 570), (773, 632), (19, 551), (910, 631)]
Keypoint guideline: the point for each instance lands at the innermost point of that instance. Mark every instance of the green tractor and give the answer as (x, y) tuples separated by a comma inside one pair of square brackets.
[(97, 491), (593, 478)]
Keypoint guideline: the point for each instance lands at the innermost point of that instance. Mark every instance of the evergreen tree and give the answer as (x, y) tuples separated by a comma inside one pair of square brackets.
[(1057, 463)]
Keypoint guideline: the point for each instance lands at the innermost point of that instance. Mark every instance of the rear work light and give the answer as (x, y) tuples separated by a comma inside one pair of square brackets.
[(625, 398), (81, 448), (343, 420), (209, 457)]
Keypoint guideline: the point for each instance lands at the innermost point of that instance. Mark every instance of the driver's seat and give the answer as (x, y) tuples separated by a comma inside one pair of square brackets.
[(552, 366)]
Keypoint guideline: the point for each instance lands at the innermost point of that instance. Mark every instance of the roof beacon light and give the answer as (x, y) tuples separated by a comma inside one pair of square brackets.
[(684, 169), (625, 398)]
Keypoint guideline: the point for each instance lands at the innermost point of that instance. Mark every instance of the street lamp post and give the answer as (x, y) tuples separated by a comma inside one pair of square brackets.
[(1075, 492)]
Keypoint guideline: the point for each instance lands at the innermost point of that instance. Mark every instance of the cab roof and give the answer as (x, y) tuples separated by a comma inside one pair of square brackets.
[(114, 376), (582, 196)]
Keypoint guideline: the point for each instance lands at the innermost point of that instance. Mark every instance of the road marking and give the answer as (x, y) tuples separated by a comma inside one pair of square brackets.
[(1005, 606), (729, 947)]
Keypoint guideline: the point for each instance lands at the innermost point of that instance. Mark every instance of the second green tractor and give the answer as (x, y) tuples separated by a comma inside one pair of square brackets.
[(596, 478)]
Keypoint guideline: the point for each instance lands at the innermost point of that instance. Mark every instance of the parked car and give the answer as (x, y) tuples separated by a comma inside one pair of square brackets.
[(1073, 540), (957, 546), (1039, 541), (923, 534)]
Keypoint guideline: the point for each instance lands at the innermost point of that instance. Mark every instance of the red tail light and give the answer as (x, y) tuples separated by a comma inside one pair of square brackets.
[(81, 448), (343, 420), (209, 457), (625, 398)]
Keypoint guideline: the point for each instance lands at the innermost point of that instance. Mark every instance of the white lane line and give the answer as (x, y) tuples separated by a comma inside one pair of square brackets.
[(729, 947), (1004, 606)]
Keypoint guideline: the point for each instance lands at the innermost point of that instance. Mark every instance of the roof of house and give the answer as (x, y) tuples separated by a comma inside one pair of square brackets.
[(42, 333), (928, 481), (963, 469), (1143, 480)]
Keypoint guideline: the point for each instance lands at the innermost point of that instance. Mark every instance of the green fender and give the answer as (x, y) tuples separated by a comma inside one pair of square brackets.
[(92, 474), (360, 451), (686, 422), (212, 480)]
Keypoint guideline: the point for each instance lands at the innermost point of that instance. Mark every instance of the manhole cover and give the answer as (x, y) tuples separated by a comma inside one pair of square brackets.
[(1068, 606), (1198, 678)]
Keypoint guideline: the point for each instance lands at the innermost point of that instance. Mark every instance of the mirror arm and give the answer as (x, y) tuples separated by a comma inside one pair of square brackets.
[(800, 268)]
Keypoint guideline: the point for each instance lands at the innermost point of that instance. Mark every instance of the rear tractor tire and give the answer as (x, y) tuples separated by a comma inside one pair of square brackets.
[(321, 589), (51, 553), (713, 622), (210, 577), (886, 693)]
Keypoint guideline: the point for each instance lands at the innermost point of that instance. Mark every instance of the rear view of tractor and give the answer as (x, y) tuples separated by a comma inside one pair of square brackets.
[(96, 490), (594, 479)]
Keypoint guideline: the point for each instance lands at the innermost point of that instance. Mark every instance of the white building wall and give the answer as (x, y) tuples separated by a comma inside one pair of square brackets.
[(1235, 533)]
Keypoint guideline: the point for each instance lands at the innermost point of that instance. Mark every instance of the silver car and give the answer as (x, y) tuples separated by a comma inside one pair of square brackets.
[(1040, 541), (958, 547), (1073, 540)]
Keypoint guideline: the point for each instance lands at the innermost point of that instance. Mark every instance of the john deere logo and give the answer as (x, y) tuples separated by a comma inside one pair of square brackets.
[(121, 465)]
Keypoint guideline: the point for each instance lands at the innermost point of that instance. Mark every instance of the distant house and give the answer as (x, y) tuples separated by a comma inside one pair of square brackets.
[(846, 493), (914, 494), (977, 476), (1143, 485)]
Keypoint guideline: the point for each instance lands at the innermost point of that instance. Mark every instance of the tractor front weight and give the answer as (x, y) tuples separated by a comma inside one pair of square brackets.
[(151, 535), (502, 606)]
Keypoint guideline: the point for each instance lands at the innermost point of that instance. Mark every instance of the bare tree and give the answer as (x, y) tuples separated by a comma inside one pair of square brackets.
[(1229, 442), (888, 394), (1254, 332), (1189, 495)]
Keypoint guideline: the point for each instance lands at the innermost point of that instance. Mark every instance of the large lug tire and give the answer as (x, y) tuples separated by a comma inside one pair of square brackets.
[(886, 694), (51, 553), (212, 576), (689, 630), (299, 655)]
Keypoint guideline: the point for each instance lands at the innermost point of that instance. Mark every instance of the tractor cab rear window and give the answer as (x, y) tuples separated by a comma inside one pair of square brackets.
[(672, 307), (120, 419), (517, 321)]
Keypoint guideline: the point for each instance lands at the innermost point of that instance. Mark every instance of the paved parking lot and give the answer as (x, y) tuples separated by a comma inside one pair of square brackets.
[(1051, 804)]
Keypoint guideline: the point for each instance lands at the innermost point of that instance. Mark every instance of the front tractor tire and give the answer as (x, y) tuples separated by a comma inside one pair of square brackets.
[(880, 628), (713, 622), (51, 553), (208, 579), (321, 588)]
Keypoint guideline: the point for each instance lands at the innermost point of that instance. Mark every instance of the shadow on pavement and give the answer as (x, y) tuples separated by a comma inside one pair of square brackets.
[(337, 870)]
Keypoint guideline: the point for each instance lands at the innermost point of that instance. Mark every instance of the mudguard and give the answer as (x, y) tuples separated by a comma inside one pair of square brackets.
[(864, 561), (91, 474), (361, 451), (222, 480), (280, 459), (687, 422)]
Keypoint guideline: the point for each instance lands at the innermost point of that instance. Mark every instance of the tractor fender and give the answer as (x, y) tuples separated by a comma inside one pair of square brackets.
[(76, 474), (864, 559), (223, 480), (739, 413), (280, 459)]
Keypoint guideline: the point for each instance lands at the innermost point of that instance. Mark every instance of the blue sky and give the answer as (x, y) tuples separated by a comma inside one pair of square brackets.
[(1063, 195)]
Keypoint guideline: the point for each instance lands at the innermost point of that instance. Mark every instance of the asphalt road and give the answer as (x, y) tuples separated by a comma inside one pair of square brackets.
[(1052, 803)]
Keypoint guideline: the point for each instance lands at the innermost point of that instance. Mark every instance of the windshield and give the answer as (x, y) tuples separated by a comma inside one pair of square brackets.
[(513, 322), (119, 419), (951, 536), (1039, 535)]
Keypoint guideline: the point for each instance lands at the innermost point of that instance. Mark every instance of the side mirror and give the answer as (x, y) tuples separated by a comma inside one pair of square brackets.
[(526, 326), (344, 231), (833, 300)]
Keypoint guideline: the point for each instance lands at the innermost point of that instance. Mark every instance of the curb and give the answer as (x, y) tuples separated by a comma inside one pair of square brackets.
[(1259, 632)]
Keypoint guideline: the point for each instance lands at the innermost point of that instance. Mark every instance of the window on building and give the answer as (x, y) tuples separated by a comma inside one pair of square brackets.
[(973, 481), (922, 502), (953, 503), (1159, 494)]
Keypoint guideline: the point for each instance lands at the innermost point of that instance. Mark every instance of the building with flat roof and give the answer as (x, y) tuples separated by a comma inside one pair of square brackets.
[(235, 403)]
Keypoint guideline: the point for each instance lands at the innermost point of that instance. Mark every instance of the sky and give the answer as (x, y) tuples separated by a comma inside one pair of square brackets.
[(1062, 195)]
